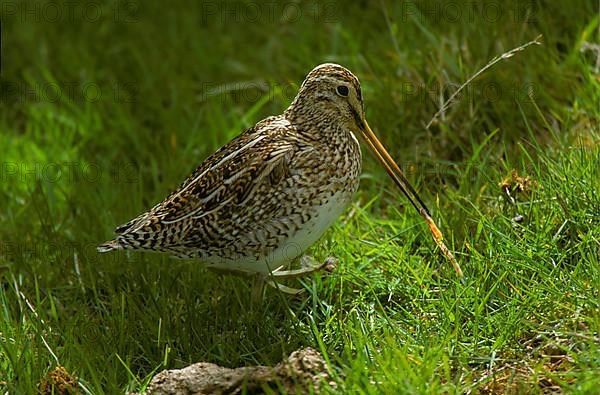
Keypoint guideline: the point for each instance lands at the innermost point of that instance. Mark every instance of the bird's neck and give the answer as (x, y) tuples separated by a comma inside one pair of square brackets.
[(323, 129), (310, 117)]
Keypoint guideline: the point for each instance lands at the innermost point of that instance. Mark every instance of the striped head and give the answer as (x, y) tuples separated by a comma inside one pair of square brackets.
[(330, 92)]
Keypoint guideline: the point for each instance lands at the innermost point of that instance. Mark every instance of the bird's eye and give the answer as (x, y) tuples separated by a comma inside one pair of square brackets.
[(342, 90)]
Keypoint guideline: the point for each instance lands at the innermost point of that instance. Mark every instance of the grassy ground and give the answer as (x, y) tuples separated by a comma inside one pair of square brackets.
[(106, 107)]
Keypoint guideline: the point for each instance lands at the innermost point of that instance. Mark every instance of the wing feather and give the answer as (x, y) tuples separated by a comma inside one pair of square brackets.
[(229, 176)]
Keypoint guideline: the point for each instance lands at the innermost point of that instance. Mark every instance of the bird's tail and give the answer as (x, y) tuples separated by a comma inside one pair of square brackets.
[(109, 246)]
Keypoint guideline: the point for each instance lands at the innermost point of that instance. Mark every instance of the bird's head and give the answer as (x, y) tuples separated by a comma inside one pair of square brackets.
[(331, 96)]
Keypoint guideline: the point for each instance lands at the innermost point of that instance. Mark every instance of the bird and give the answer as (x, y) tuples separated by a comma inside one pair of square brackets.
[(259, 202)]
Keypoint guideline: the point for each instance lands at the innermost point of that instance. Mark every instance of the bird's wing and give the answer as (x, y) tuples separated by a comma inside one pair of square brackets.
[(227, 177)]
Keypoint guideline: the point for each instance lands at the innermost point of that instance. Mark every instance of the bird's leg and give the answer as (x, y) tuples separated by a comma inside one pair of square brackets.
[(284, 288), (308, 266), (258, 286)]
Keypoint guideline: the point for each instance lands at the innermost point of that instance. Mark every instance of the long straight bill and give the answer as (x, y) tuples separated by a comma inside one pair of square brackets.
[(400, 179)]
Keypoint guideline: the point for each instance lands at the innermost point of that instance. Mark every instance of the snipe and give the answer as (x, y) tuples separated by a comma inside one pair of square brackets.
[(260, 201)]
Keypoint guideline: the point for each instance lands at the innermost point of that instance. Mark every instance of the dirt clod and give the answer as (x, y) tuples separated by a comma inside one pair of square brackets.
[(302, 372)]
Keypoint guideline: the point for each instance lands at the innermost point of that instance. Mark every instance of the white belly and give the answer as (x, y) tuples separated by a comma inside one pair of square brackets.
[(324, 216)]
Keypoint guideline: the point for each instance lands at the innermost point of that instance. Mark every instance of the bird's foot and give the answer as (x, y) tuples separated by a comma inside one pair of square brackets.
[(328, 265), (308, 265), (258, 287), (284, 288)]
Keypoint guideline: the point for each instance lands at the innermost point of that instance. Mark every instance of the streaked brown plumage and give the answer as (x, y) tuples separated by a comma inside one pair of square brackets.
[(262, 199)]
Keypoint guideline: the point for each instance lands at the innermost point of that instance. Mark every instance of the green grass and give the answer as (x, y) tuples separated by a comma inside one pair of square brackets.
[(105, 108)]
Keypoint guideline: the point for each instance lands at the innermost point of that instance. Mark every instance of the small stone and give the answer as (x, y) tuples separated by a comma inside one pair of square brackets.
[(518, 218)]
